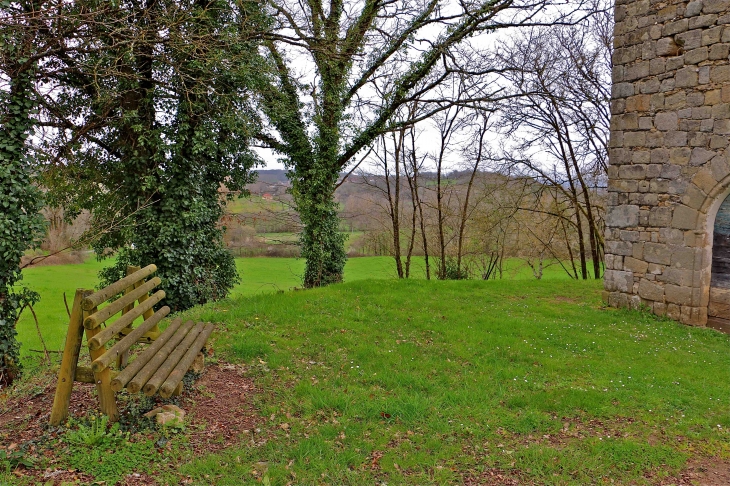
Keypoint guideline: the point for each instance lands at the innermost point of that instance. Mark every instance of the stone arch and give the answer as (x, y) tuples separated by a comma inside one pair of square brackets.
[(707, 213)]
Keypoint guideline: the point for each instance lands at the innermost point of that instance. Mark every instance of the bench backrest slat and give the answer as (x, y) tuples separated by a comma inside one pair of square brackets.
[(103, 336), (127, 341), (118, 305), (117, 287)]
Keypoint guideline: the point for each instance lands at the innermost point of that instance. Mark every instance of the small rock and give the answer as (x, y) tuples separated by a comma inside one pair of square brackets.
[(168, 418), (167, 415), (175, 409), (153, 412)]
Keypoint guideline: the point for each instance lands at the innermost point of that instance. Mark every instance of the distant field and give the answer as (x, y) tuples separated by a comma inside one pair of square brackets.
[(286, 238), (258, 276), (253, 204)]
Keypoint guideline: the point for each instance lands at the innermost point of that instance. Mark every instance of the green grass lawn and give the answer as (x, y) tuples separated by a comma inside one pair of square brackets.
[(258, 275), (415, 382)]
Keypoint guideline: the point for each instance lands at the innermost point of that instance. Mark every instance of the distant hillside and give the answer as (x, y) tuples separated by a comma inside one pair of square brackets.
[(272, 176)]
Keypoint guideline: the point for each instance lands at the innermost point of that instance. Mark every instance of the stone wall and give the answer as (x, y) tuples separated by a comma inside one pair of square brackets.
[(669, 157)]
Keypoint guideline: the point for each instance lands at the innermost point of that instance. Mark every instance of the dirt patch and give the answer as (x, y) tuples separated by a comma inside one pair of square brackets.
[(219, 411), (706, 472), (220, 408)]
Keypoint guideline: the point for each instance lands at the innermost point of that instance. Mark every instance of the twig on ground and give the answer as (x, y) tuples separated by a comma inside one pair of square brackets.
[(40, 336), (65, 302)]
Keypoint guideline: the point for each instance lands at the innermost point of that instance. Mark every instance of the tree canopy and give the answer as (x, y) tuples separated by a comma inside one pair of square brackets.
[(146, 115)]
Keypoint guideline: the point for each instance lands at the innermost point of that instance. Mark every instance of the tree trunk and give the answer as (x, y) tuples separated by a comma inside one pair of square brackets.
[(440, 220), (586, 197), (394, 201), (322, 244), (465, 208), (20, 219), (414, 208), (418, 203)]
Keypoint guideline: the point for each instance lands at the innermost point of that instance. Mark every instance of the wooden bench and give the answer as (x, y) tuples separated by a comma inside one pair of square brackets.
[(158, 369)]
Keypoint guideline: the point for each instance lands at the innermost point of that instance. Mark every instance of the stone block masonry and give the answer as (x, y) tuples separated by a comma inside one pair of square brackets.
[(669, 155)]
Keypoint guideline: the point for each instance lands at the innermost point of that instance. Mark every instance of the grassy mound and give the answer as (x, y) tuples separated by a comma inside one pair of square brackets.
[(258, 276), (415, 382)]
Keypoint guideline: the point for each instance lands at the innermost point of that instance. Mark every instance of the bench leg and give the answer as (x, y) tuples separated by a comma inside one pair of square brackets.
[(123, 360), (69, 362), (107, 402)]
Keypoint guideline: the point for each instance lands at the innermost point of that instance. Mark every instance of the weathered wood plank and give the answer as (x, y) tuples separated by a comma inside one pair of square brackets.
[(112, 329), (84, 374), (161, 374), (143, 376), (127, 341), (176, 375), (107, 401), (107, 292), (118, 305), (144, 357)]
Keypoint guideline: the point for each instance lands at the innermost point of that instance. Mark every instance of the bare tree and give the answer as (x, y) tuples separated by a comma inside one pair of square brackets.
[(558, 120), (387, 184), (367, 60), (475, 153)]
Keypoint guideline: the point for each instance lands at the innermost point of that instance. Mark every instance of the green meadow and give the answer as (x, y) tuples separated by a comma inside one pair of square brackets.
[(258, 276), (415, 382), (380, 380)]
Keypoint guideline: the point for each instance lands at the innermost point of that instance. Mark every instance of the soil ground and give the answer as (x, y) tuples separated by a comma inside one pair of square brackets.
[(218, 406), (220, 413)]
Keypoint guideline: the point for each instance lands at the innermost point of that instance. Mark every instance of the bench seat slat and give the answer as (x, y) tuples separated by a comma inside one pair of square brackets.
[(136, 383), (177, 374), (133, 368), (127, 341), (161, 374)]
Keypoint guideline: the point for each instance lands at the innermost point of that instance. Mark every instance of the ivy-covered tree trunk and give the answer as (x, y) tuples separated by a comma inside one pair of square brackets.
[(322, 244), (179, 233), (314, 164), (169, 125), (20, 221)]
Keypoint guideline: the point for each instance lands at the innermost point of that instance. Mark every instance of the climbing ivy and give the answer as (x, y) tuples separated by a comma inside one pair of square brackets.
[(165, 124), (322, 244), (21, 225)]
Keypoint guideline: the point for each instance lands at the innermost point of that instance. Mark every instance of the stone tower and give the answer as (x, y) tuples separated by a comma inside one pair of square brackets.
[(669, 170)]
